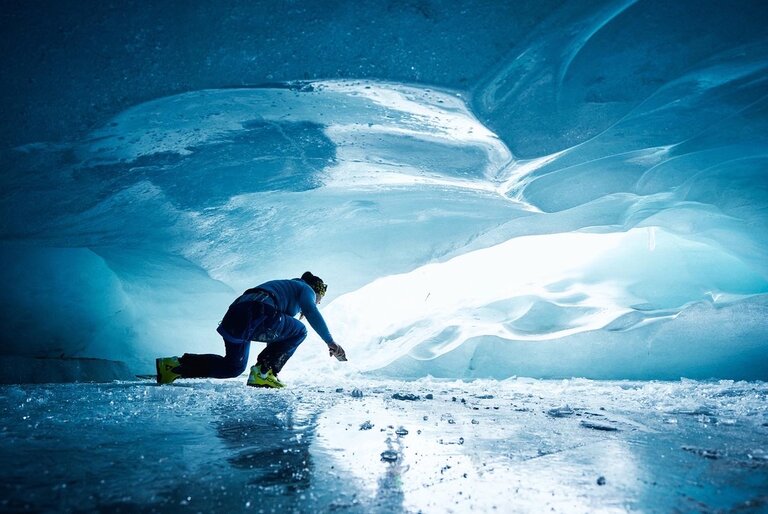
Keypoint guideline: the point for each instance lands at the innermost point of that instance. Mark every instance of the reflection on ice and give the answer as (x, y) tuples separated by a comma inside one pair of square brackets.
[(524, 445), (462, 444)]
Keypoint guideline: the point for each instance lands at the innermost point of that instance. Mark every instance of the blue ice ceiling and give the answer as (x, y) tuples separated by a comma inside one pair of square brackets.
[(550, 189)]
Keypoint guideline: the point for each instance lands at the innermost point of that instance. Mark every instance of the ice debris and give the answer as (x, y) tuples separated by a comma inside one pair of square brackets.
[(698, 411), (595, 425), (709, 454), (357, 393), (389, 456), (366, 425), (406, 396), (561, 412)]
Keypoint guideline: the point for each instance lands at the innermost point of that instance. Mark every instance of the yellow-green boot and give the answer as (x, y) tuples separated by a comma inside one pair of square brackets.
[(259, 379), (167, 368)]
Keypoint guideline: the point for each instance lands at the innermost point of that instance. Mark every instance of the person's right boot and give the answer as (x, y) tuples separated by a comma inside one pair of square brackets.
[(257, 378), (167, 369)]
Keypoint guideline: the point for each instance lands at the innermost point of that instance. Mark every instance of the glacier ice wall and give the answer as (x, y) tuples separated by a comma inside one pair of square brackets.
[(593, 203)]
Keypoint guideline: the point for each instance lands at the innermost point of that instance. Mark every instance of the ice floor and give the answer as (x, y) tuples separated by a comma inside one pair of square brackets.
[(383, 446)]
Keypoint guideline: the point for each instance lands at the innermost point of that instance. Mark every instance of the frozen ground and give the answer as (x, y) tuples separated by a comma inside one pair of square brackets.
[(517, 445)]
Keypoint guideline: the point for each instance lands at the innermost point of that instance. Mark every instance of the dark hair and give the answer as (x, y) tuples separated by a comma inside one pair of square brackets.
[(316, 283)]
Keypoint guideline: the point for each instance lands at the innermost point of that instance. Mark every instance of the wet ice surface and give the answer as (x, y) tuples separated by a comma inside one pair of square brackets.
[(385, 446)]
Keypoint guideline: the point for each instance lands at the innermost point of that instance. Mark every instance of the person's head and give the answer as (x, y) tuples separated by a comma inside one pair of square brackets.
[(317, 285)]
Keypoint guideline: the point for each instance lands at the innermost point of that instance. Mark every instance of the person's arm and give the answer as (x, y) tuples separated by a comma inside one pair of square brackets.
[(310, 311), (316, 321)]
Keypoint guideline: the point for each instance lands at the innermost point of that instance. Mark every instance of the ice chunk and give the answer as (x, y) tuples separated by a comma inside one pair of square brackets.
[(389, 455), (561, 412), (597, 425), (406, 396)]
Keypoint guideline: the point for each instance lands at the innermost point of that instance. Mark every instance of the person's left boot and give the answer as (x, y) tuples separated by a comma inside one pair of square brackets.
[(257, 378), (167, 369)]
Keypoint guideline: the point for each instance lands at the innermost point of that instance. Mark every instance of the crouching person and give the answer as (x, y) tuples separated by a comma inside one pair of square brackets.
[(265, 313)]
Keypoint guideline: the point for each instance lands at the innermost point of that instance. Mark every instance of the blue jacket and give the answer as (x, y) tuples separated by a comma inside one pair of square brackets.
[(292, 296)]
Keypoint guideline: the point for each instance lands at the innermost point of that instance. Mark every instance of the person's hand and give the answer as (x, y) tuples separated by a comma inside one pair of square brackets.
[(337, 351)]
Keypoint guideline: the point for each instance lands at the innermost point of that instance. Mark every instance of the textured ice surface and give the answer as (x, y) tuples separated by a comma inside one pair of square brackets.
[(381, 446), (433, 236)]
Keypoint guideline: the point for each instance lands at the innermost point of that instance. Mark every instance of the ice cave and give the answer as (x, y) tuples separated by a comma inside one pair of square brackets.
[(543, 226)]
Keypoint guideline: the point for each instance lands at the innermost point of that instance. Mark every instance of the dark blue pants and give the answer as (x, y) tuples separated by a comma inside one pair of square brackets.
[(245, 322), (233, 363)]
